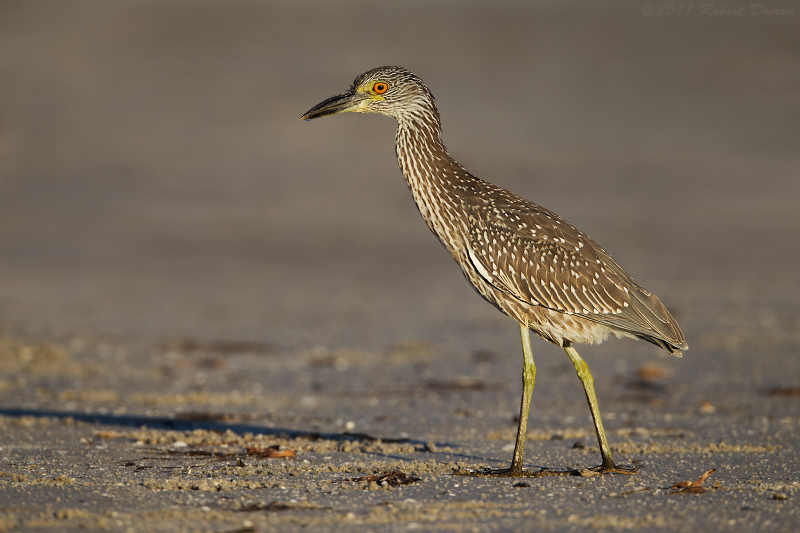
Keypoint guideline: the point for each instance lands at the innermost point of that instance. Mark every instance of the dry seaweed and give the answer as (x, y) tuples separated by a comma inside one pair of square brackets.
[(393, 478), (692, 487)]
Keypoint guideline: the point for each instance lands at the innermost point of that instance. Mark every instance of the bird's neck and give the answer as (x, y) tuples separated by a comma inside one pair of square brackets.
[(433, 177)]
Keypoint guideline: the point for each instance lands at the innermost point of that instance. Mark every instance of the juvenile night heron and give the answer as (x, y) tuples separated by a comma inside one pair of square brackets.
[(526, 261)]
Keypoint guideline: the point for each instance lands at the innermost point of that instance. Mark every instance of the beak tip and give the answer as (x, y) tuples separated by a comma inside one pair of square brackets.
[(340, 103)]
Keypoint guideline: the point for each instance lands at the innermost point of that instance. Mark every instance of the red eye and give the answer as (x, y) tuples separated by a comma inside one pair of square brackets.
[(380, 87)]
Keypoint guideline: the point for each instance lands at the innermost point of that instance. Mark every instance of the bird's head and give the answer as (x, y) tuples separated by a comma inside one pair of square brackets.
[(392, 91)]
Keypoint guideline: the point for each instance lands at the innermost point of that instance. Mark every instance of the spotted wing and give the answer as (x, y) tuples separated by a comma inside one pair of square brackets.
[(542, 270), (539, 258)]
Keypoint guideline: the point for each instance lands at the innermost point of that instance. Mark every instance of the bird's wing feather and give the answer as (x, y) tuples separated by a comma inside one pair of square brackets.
[(539, 258)]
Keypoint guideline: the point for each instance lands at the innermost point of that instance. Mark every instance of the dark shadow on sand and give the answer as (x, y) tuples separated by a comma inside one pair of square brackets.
[(177, 424)]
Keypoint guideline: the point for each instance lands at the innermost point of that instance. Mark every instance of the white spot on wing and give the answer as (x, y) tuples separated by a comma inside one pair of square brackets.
[(478, 266)]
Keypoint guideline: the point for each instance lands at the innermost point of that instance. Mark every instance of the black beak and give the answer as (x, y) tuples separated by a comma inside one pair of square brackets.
[(341, 103)]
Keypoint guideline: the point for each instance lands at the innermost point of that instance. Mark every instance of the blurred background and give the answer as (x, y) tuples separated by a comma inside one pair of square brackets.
[(156, 181), (179, 251)]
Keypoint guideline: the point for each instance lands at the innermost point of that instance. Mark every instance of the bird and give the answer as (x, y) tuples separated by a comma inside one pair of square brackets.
[(525, 260)]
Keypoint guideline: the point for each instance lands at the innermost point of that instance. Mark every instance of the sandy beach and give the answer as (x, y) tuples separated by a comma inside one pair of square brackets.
[(217, 317)]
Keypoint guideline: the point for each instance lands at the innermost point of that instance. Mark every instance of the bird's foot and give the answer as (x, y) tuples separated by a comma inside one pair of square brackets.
[(514, 472), (609, 468), (518, 471)]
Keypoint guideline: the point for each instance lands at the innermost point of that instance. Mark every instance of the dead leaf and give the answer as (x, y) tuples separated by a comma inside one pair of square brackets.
[(393, 478), (273, 452), (692, 487)]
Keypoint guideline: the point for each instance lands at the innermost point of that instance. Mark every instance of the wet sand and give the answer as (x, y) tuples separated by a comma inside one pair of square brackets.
[(216, 317)]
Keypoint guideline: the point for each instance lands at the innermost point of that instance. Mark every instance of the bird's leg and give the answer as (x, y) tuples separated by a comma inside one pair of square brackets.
[(585, 376), (528, 381)]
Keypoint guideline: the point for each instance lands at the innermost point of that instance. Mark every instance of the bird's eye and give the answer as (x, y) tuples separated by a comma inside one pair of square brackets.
[(380, 87)]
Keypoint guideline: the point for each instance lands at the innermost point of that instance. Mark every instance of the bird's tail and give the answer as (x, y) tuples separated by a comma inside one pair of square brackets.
[(665, 330)]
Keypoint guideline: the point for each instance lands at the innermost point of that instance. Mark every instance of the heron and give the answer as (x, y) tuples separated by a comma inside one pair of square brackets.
[(525, 260)]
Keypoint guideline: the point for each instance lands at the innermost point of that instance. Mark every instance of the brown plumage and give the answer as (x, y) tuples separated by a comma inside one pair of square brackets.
[(525, 260)]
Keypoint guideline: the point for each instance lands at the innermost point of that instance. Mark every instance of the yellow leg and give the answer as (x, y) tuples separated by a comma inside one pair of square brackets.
[(528, 381), (585, 376)]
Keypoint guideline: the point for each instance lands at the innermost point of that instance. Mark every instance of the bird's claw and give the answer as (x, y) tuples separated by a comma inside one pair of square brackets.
[(545, 472), (610, 468)]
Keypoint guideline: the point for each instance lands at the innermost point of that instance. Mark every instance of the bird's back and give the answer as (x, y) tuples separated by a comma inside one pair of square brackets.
[(532, 255)]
